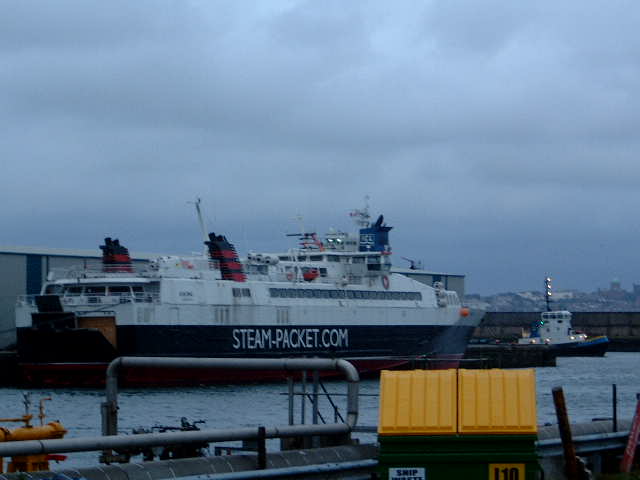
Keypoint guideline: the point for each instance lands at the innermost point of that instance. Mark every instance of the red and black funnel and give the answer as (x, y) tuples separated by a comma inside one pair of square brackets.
[(115, 257), (225, 253)]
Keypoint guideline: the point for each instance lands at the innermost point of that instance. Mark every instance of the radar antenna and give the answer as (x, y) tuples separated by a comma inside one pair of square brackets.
[(413, 264), (361, 216), (308, 240)]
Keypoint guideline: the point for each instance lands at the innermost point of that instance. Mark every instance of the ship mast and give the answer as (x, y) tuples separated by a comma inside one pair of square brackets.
[(361, 216), (202, 226)]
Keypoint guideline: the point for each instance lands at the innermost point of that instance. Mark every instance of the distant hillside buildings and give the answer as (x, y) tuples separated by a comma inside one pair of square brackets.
[(612, 299)]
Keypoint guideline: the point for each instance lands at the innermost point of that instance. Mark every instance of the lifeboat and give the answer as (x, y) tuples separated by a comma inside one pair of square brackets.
[(311, 274)]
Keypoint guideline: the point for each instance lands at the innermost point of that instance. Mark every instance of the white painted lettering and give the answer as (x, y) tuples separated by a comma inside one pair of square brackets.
[(325, 338), (266, 338), (259, 342), (344, 337), (295, 344), (283, 338), (334, 337)]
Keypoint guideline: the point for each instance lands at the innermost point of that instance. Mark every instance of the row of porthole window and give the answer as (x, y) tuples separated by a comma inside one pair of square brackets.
[(354, 294)]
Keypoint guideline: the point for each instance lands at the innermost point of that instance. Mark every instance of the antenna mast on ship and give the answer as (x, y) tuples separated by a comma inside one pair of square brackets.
[(202, 226), (361, 216)]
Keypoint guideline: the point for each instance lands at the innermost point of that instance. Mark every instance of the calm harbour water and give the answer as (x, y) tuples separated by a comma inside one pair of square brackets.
[(586, 382)]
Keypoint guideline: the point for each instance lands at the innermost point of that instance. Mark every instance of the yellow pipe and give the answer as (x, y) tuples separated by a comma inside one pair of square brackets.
[(25, 418), (30, 463), (44, 432)]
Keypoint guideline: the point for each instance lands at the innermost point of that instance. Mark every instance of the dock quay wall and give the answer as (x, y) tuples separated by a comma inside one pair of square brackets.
[(622, 328), (508, 356)]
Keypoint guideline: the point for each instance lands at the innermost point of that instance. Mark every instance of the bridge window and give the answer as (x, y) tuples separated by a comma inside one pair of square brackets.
[(94, 290), (73, 290), (53, 289), (118, 290)]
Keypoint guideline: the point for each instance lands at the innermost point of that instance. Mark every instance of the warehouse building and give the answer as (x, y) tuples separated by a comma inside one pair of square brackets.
[(23, 270), (450, 281)]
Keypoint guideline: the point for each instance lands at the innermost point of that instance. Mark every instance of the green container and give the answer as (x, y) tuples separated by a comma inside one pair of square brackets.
[(451, 457)]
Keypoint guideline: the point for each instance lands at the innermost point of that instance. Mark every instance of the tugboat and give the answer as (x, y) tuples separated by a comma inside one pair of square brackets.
[(554, 329), (330, 297)]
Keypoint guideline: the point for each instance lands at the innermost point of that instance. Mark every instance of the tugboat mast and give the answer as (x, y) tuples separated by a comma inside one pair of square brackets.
[(547, 292)]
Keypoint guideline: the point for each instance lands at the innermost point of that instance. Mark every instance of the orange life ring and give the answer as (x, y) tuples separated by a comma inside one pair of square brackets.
[(385, 282), (289, 275)]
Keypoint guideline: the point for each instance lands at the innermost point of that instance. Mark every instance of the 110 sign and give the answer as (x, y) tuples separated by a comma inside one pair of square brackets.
[(506, 471)]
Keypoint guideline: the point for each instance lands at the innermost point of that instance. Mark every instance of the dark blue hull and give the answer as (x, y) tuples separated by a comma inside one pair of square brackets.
[(594, 347), (373, 346), (241, 341)]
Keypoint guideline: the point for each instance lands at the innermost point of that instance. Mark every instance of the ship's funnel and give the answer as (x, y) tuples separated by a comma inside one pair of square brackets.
[(375, 238), (115, 257), (225, 253)]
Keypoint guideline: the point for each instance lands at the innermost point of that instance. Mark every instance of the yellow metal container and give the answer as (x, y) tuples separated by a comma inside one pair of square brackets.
[(418, 402), (497, 401)]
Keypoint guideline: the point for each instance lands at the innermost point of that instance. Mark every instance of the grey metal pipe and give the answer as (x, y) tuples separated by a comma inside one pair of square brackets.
[(109, 408), (296, 471), (88, 444), (290, 398), (597, 442)]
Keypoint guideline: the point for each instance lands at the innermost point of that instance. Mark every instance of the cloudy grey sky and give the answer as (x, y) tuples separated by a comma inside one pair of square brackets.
[(499, 138)]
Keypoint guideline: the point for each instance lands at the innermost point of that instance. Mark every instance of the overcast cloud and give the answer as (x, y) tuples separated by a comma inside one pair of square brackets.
[(499, 138)]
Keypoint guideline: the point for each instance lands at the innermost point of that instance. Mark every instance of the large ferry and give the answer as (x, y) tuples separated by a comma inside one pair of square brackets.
[(329, 297)]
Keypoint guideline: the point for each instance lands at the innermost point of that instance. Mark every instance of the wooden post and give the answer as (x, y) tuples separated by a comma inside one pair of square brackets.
[(614, 402), (262, 448), (570, 460), (632, 443)]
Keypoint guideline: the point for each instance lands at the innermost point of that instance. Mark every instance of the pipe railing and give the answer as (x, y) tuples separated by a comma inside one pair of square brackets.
[(111, 440), (143, 440), (110, 406)]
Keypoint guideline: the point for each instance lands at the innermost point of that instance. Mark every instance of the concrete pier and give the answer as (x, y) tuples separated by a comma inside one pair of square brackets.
[(622, 328), (509, 356)]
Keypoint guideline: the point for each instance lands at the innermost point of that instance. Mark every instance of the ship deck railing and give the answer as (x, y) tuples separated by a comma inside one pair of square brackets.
[(93, 300), (97, 269)]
